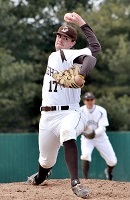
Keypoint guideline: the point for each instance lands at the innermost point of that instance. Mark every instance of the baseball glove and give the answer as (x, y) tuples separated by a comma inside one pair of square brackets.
[(89, 134), (66, 77)]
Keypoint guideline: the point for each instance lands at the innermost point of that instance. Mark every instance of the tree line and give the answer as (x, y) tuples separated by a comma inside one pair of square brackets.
[(26, 41)]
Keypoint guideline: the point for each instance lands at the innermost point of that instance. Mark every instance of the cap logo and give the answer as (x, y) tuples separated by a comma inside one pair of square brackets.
[(65, 29)]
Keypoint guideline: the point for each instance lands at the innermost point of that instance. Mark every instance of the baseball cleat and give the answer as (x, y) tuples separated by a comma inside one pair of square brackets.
[(80, 191), (109, 176), (31, 179)]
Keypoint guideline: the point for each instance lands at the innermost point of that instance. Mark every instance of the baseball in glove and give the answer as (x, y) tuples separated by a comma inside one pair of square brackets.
[(89, 134), (66, 78)]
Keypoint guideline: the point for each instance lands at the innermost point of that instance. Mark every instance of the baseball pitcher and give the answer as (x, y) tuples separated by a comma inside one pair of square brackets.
[(61, 119)]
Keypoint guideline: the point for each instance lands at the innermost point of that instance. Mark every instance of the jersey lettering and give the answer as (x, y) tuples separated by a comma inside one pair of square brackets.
[(50, 71), (51, 88), (92, 122)]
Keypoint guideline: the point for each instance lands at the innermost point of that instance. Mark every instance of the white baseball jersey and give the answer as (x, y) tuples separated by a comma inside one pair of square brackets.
[(53, 93), (96, 119)]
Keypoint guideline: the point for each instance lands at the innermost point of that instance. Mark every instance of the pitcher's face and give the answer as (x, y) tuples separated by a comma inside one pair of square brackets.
[(63, 42)]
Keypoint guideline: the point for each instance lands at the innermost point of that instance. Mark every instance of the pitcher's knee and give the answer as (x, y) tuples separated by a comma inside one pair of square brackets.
[(85, 157), (46, 163), (112, 162), (67, 134)]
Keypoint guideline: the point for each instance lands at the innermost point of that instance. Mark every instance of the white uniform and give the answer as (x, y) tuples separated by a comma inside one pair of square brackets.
[(96, 119), (58, 126)]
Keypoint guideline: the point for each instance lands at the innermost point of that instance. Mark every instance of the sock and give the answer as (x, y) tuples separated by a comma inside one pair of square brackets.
[(85, 168), (71, 158), (42, 174), (110, 169)]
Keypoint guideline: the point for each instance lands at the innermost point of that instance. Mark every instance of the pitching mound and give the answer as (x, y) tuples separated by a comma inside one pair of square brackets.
[(60, 190)]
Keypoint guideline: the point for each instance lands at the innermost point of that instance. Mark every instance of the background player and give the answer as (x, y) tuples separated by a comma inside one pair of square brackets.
[(61, 120), (97, 121)]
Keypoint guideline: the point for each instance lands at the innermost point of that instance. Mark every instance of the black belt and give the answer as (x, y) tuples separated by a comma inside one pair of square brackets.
[(53, 108)]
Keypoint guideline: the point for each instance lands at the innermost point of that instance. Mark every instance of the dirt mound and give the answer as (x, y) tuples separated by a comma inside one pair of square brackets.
[(60, 190)]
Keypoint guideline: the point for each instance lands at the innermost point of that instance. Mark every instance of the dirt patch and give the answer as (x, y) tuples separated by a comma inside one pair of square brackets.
[(60, 190)]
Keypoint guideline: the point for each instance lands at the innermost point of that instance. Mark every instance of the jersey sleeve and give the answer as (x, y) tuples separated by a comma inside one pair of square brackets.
[(103, 121), (93, 43), (71, 54)]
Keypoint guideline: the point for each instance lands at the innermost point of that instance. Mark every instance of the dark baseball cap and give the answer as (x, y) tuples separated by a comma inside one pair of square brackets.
[(67, 31), (89, 95)]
